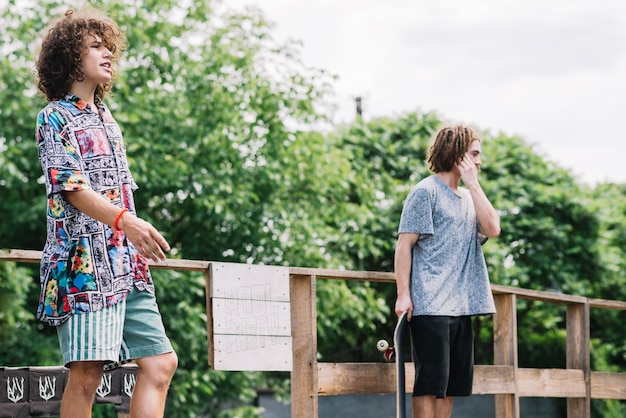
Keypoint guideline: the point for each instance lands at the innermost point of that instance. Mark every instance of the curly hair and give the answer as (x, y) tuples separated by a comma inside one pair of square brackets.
[(449, 147), (59, 62)]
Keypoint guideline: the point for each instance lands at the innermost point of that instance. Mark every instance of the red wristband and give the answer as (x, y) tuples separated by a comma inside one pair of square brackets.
[(117, 219)]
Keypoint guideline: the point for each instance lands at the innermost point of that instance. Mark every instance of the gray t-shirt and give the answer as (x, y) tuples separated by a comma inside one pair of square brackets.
[(448, 273)]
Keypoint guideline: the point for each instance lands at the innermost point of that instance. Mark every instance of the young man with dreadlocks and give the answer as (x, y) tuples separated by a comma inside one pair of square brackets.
[(440, 268)]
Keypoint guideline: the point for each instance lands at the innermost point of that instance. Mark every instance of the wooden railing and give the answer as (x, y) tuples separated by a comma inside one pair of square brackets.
[(504, 379)]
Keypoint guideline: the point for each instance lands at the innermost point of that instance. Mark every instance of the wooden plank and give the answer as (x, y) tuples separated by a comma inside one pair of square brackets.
[(252, 352), (578, 356), (505, 351), (209, 318), (20, 256), (32, 256), (251, 317), (369, 276), (361, 378), (555, 383), (379, 378), (539, 295), (250, 282), (355, 378), (607, 304), (179, 264), (492, 380), (304, 374), (505, 330), (608, 385)]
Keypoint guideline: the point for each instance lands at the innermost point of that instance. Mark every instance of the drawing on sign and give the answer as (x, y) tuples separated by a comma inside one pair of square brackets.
[(250, 313)]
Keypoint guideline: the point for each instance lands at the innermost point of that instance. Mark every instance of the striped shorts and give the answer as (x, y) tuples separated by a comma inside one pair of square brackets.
[(128, 330)]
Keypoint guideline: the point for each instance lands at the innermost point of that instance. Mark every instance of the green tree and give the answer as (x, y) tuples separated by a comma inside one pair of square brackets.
[(609, 349), (224, 129), (215, 116)]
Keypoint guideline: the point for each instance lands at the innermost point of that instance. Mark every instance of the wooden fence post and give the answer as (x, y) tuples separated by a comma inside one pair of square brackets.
[(505, 350), (578, 355), (304, 375)]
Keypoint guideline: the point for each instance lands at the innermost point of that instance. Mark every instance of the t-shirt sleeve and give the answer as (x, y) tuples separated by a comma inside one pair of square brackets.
[(417, 215), (59, 157)]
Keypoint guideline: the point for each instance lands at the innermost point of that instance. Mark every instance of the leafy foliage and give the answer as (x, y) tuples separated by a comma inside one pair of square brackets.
[(228, 138)]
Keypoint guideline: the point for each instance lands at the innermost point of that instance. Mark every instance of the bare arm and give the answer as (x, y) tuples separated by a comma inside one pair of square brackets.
[(402, 267), (148, 241), (487, 216)]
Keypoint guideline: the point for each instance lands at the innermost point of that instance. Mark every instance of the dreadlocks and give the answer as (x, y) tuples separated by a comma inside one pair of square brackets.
[(449, 147)]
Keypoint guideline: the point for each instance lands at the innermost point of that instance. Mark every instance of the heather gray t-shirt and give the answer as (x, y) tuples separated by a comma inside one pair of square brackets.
[(448, 274)]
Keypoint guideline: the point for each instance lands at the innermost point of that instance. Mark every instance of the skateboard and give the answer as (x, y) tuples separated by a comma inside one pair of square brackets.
[(395, 354)]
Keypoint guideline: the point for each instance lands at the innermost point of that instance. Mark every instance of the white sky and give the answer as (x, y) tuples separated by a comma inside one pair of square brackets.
[(552, 72)]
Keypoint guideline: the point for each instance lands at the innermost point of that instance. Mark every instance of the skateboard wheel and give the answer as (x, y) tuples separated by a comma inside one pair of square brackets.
[(382, 345), (390, 355)]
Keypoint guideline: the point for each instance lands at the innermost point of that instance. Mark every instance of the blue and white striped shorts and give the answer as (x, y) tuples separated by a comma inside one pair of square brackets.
[(128, 330)]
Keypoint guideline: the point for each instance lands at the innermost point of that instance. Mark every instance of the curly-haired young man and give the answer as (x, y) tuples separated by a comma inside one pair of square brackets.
[(96, 287)]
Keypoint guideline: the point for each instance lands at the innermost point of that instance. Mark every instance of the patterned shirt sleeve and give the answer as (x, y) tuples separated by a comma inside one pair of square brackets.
[(58, 155)]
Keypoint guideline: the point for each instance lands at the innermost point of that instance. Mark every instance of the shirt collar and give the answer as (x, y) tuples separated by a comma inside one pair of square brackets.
[(81, 104)]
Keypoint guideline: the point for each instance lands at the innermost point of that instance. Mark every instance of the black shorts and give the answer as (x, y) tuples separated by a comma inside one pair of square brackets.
[(443, 354)]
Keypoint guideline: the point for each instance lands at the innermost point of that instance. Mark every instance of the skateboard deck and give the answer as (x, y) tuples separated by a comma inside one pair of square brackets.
[(394, 353), (399, 336)]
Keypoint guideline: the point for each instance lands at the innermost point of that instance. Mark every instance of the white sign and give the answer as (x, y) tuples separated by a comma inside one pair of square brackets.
[(251, 317)]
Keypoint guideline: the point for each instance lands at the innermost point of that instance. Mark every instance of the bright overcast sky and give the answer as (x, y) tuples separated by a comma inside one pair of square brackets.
[(552, 72)]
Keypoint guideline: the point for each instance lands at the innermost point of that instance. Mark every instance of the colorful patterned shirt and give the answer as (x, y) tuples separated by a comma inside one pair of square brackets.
[(86, 265)]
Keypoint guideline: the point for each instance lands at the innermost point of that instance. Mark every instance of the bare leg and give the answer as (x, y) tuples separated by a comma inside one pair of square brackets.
[(153, 381), (83, 381), (444, 407), (432, 407)]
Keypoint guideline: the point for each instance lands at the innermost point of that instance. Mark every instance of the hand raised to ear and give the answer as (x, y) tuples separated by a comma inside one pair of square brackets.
[(468, 170)]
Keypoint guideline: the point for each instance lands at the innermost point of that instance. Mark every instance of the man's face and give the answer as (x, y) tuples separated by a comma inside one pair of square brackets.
[(97, 66), (473, 153)]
